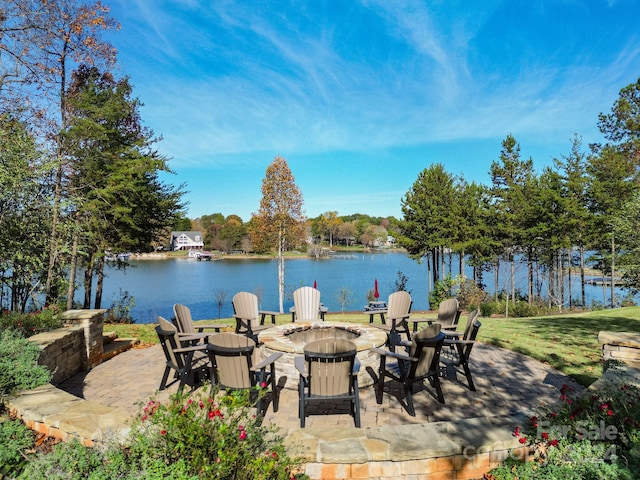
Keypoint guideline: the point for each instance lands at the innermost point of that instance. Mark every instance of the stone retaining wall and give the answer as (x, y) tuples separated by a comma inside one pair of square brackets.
[(620, 346), (74, 348)]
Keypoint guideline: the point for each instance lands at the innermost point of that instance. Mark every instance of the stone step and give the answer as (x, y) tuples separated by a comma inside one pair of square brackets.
[(108, 337), (117, 346)]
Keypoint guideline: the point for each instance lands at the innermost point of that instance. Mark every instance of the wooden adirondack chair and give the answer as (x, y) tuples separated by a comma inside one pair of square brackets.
[(457, 356), (398, 311), (186, 327), (328, 371), (238, 367), (448, 314), (306, 301), (248, 317), (420, 363), (190, 364)]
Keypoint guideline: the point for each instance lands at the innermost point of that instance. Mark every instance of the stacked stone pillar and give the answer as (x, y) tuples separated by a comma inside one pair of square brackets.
[(92, 323)]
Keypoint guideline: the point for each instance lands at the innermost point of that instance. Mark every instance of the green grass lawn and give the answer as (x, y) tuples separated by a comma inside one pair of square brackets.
[(568, 342)]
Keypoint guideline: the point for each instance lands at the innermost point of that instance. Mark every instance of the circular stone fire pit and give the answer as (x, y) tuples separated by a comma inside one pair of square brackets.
[(291, 338)]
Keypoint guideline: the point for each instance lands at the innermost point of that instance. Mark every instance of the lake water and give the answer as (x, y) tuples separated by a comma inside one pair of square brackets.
[(158, 284)]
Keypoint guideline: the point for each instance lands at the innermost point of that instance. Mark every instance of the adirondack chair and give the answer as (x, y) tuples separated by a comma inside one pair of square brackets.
[(306, 302), (398, 311), (237, 366), (420, 363), (448, 314), (245, 310), (186, 327), (190, 364), (457, 356), (328, 371)]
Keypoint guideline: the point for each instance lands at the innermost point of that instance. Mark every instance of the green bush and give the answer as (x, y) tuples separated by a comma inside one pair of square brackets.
[(595, 435), (19, 369), (15, 439), (188, 437), (486, 309), (443, 289), (120, 310), (32, 323), (470, 295)]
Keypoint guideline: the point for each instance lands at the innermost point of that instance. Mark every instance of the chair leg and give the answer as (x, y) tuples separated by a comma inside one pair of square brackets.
[(438, 387), (380, 383), (356, 403), (165, 377), (467, 373), (274, 388), (408, 395), (301, 412)]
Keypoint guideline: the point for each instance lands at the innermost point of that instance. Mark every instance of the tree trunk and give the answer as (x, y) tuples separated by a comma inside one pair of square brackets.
[(530, 275), (281, 271), (71, 288), (88, 282), (582, 276), (50, 291), (613, 271), (99, 281), (496, 278)]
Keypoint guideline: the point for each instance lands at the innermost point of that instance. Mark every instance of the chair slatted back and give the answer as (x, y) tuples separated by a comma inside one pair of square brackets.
[(426, 346), (399, 305), (232, 356), (471, 332), (183, 318), (168, 336), (245, 308), (330, 366), (448, 313), (307, 303)]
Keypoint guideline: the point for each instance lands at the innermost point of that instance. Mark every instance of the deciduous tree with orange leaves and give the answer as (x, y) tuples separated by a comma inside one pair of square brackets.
[(280, 222)]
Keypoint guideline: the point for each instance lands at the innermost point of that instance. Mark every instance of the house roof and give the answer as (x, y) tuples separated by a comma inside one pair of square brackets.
[(190, 234)]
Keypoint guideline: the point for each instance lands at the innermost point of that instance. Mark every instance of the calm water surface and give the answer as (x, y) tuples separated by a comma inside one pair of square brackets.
[(158, 284)]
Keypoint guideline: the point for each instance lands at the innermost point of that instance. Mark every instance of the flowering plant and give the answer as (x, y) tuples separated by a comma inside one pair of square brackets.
[(217, 436), (592, 435)]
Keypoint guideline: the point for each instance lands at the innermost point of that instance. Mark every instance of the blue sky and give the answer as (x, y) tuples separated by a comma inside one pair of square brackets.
[(360, 96)]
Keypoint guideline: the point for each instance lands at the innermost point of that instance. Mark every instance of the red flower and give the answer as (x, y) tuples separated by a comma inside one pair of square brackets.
[(610, 412), (523, 440), (263, 384), (545, 436), (163, 432), (553, 443), (516, 432), (243, 435)]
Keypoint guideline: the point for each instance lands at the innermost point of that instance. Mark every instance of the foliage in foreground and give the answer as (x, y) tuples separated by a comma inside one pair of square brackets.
[(189, 437), (15, 439), (19, 369), (592, 436)]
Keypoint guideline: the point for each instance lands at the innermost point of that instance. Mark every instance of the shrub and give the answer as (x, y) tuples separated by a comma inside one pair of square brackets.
[(442, 289), (189, 437), (486, 309), (15, 439), (596, 435), (32, 323), (19, 369), (120, 310), (470, 295)]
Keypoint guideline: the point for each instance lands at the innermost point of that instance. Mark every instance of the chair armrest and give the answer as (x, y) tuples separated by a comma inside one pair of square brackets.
[(193, 348), (184, 336), (267, 361), (217, 327), (452, 333), (300, 365), (399, 356), (458, 342)]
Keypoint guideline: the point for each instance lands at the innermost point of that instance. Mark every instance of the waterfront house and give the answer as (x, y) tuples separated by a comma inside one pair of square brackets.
[(187, 241)]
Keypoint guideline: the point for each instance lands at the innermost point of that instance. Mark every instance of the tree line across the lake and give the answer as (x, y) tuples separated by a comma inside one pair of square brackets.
[(79, 175)]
